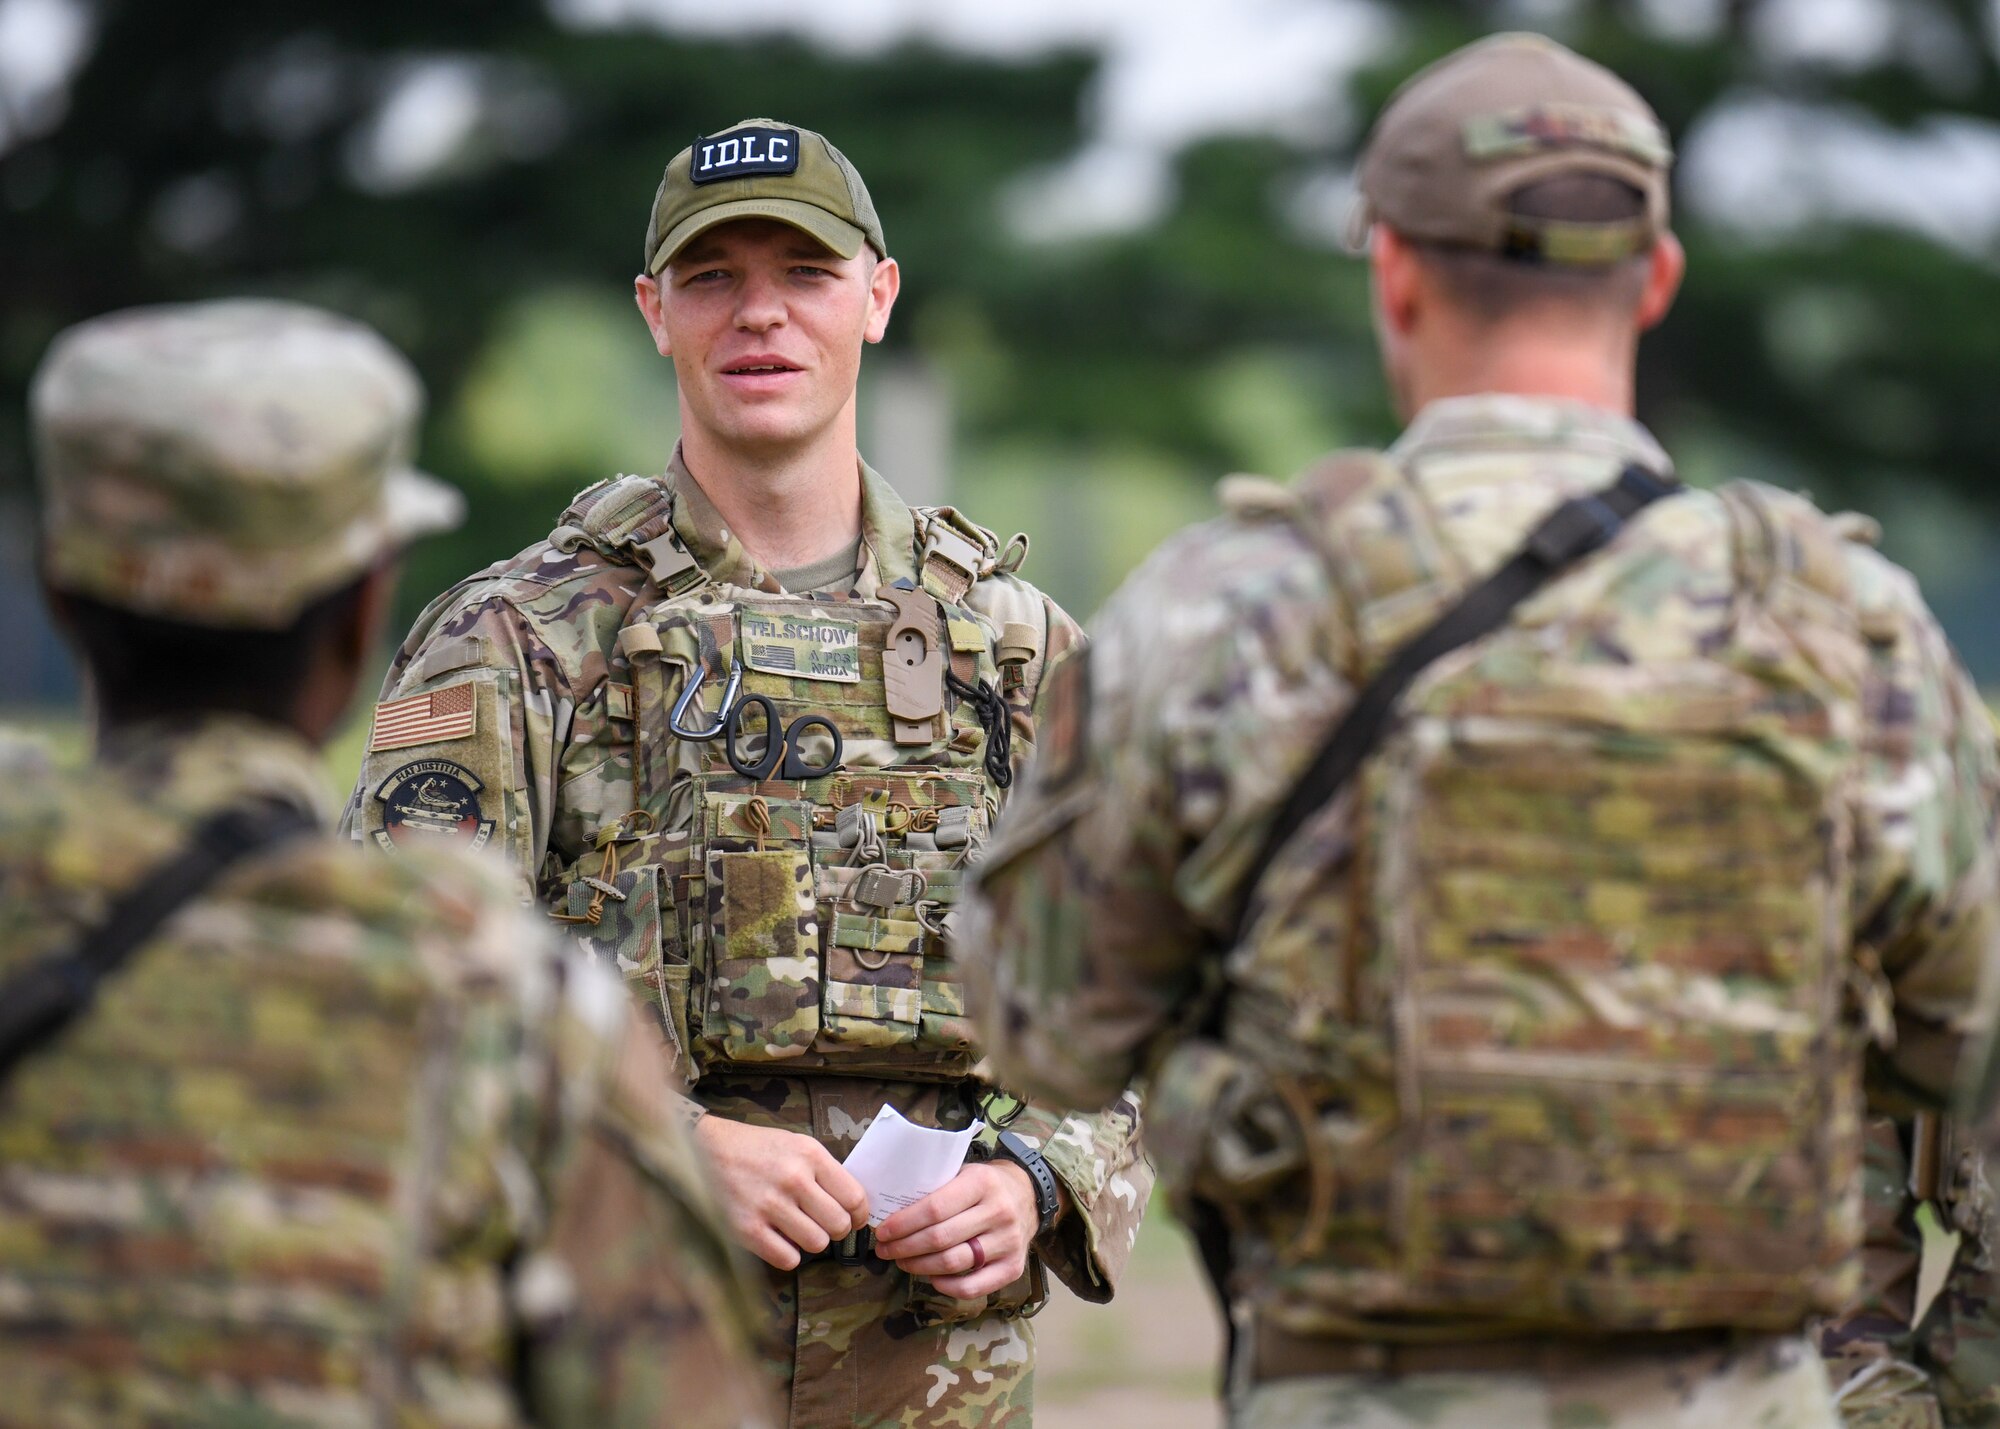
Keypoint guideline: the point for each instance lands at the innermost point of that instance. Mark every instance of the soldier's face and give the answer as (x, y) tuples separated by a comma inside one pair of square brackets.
[(765, 328)]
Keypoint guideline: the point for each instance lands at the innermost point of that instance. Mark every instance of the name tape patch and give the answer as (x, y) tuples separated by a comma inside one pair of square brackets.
[(742, 153), (808, 647)]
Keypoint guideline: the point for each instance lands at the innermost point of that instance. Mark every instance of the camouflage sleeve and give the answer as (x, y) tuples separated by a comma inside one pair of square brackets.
[(1106, 1182), (462, 745), (1927, 902), (1106, 1179), (498, 724), (1116, 870), (637, 1306)]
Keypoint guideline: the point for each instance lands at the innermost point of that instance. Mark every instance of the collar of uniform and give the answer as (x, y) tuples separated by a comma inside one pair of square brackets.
[(888, 534), (204, 764), (1502, 420)]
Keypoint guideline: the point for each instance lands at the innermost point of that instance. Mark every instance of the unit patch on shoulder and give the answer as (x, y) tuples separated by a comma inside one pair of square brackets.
[(432, 799), (741, 153), (428, 718), (810, 647)]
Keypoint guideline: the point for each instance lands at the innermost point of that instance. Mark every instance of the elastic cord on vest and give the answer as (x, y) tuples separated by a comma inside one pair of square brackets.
[(44, 998), (992, 712)]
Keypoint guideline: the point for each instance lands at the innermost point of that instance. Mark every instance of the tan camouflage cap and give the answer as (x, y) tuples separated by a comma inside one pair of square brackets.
[(226, 463), (761, 168), (1461, 136)]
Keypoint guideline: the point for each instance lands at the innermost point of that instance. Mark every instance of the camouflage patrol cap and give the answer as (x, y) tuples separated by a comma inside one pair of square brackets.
[(761, 168), (226, 463), (1463, 135)]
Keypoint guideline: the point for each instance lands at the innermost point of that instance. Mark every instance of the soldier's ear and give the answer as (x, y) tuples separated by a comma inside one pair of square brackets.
[(57, 603), (883, 285), (347, 653), (1398, 278), (371, 609), (646, 292), (1665, 266)]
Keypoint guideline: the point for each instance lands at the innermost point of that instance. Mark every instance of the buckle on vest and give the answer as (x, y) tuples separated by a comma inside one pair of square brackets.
[(949, 564), (883, 887), (673, 570)]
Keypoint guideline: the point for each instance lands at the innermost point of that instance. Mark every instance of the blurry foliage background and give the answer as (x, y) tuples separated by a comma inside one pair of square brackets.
[(1089, 334)]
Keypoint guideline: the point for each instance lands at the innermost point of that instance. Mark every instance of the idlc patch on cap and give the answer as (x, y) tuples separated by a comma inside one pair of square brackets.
[(743, 153)]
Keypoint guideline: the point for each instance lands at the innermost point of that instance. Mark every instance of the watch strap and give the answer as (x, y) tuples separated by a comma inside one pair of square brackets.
[(1048, 1200)]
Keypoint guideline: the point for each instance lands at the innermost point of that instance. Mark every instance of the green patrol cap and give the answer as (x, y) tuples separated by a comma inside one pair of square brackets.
[(226, 463), (1465, 134), (761, 168)]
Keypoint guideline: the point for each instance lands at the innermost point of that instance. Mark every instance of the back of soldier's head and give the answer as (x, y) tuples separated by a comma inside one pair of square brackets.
[(1522, 174), (218, 480)]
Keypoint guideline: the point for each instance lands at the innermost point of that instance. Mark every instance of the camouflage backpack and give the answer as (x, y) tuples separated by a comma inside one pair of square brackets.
[(1568, 1044), (798, 923)]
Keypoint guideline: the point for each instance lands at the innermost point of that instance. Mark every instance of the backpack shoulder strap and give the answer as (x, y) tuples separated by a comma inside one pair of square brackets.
[(629, 519), (1382, 547), (1787, 546), (41, 1000)]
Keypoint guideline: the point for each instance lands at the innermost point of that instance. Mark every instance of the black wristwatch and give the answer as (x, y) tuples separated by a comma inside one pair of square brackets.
[(1048, 1201)]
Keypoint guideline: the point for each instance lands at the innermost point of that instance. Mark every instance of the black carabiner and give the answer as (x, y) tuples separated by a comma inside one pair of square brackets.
[(781, 755)]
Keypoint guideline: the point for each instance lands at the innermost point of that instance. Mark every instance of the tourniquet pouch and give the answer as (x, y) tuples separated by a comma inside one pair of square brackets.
[(811, 914), (626, 904)]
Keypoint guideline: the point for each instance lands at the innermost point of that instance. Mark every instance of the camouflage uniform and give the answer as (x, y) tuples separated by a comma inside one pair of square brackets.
[(1532, 1072), (1210, 681), (343, 1144), (571, 763)]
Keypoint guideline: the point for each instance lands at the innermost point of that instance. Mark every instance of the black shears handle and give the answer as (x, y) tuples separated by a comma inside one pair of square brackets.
[(781, 753)]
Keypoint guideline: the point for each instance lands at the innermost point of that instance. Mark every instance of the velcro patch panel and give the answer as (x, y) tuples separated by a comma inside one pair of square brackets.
[(744, 153)]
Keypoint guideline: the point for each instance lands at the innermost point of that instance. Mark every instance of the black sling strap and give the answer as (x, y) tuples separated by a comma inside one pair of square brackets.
[(1572, 531), (1575, 529), (41, 1000)]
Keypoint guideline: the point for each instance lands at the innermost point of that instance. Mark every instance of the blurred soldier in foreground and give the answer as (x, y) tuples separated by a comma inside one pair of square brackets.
[(743, 726), (1501, 858), (289, 1136)]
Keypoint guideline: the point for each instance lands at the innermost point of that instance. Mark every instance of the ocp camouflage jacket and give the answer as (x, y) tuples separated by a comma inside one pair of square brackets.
[(792, 936), (1557, 1017)]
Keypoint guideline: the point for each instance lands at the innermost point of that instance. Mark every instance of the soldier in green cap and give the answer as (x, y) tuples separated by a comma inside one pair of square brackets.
[(289, 1137), (1515, 872), (743, 727)]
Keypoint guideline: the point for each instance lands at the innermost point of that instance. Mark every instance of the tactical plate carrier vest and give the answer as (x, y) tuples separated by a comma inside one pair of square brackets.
[(1567, 1044), (802, 925)]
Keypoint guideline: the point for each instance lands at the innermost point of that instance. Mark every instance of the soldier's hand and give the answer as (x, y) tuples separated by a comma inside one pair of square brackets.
[(783, 1192), (993, 1200)]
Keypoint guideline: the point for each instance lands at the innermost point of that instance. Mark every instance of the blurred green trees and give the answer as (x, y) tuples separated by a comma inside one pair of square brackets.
[(1098, 384)]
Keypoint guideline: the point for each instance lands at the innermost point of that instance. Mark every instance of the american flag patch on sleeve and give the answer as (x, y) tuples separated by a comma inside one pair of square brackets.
[(424, 719)]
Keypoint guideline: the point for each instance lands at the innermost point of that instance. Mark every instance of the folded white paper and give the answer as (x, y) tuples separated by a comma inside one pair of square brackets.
[(899, 1163)]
